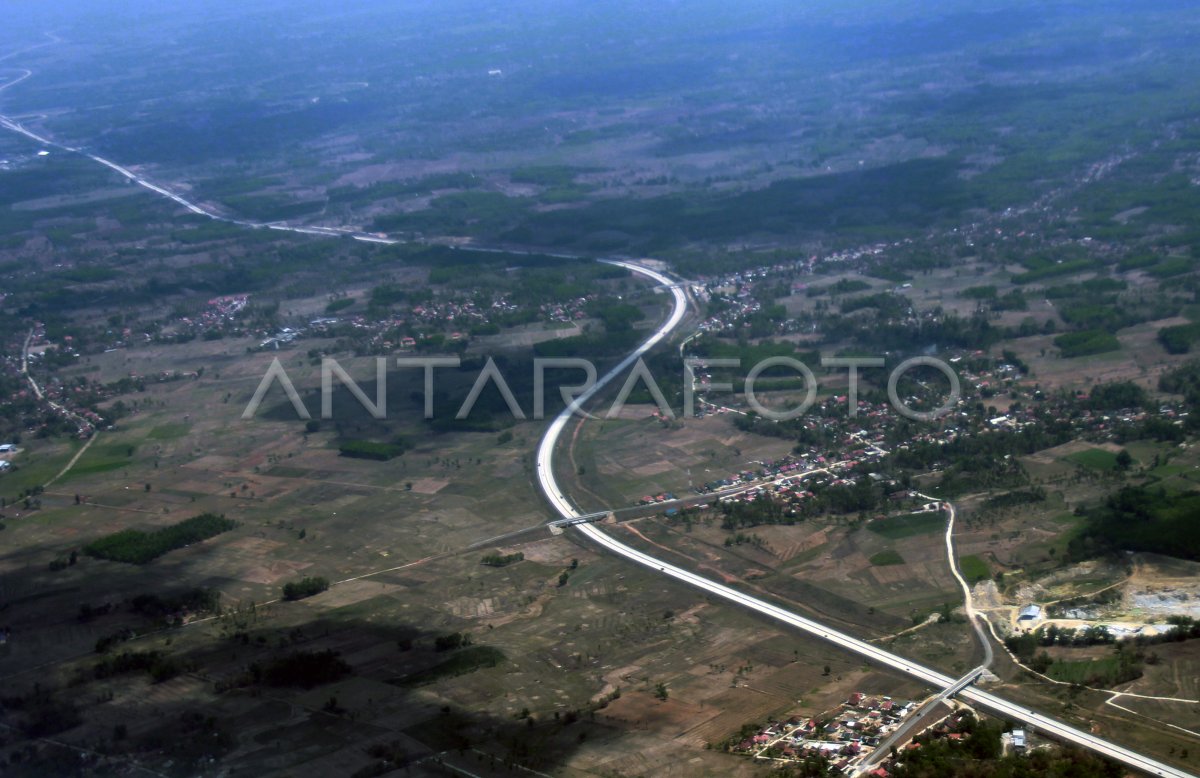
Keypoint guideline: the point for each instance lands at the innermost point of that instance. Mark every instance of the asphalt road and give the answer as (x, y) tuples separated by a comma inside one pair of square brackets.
[(997, 705), (561, 504)]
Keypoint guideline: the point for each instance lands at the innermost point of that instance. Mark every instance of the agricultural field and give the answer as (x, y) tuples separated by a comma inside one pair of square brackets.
[(207, 573)]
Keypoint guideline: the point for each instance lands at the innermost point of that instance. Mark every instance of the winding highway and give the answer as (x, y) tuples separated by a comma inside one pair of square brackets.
[(997, 705), (564, 507)]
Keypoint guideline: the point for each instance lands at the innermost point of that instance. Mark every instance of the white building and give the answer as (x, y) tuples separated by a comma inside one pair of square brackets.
[(1029, 614)]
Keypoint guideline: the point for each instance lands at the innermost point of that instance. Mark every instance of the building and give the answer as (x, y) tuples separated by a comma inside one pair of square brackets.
[(7, 447), (1029, 614), (1018, 738)]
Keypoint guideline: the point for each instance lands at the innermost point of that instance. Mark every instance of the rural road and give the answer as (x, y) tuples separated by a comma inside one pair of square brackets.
[(968, 604), (997, 705), (561, 504)]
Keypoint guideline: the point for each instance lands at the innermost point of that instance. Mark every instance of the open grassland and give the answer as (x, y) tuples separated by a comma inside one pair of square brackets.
[(1095, 458), (888, 557), (973, 568), (303, 510), (897, 527)]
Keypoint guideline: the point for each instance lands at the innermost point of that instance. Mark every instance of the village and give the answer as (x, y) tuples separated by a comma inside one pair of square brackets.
[(847, 737)]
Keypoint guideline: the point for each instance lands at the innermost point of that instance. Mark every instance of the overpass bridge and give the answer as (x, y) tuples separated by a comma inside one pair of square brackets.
[(586, 518), (971, 677)]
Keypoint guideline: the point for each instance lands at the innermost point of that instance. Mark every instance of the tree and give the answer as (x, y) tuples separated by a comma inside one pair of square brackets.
[(1124, 460), (660, 691), (305, 587)]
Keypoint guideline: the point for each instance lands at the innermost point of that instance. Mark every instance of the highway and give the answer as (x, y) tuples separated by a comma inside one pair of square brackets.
[(990, 702), (12, 124), (563, 506)]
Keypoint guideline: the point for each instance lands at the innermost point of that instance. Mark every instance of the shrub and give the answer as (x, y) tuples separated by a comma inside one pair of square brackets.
[(305, 587), (137, 547)]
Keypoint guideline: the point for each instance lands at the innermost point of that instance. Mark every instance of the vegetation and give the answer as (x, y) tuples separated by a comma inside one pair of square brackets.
[(973, 568), (862, 496), (502, 560), (1015, 498), (451, 642), (163, 606), (979, 753), (157, 665), (896, 527), (305, 587), (1086, 343), (463, 662), (1116, 395), (136, 547), (784, 210), (1095, 458), (887, 557), (1179, 339), (1141, 519), (1105, 673), (305, 669), (367, 449)]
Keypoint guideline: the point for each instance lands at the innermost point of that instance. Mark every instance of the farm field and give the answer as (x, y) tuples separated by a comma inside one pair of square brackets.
[(289, 294)]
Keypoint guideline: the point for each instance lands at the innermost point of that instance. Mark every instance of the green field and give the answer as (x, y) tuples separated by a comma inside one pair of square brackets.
[(36, 469), (1086, 671), (103, 458), (1094, 458), (973, 568), (887, 557), (169, 431), (908, 526)]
